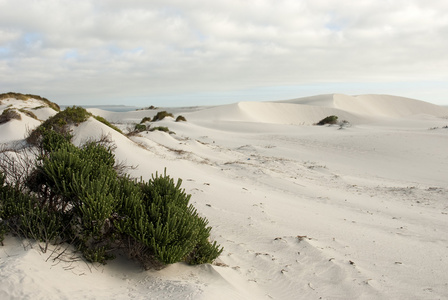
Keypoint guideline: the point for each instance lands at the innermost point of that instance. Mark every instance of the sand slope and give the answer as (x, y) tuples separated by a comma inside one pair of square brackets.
[(303, 212), (309, 110)]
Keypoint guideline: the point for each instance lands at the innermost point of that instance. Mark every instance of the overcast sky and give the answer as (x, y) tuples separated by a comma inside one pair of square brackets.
[(193, 52)]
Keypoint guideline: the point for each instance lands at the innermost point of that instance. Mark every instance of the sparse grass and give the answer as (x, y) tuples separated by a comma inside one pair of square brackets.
[(25, 97), (8, 115), (162, 115), (105, 122), (28, 113)]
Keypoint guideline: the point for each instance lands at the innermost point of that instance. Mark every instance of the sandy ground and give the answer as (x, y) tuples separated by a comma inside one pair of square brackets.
[(302, 211)]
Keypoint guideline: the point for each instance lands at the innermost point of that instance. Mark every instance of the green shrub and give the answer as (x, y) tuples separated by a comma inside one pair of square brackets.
[(328, 120), (162, 115), (24, 215), (3, 232), (139, 127), (59, 123), (204, 253), (181, 119), (172, 227), (75, 194), (62, 120)]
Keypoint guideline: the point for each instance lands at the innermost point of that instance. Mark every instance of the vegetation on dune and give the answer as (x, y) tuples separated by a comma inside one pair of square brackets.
[(25, 97), (62, 120), (140, 127), (78, 195), (152, 107), (145, 119), (28, 113), (59, 123), (159, 116), (328, 120), (181, 119), (162, 115), (161, 128), (107, 123), (8, 115)]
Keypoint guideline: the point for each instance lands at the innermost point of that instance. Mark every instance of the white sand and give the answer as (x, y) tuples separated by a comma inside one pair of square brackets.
[(303, 212)]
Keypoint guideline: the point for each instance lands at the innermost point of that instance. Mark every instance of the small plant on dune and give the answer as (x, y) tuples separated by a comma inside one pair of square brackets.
[(145, 119), (181, 119), (162, 115), (8, 115), (75, 194), (139, 127), (161, 128), (328, 120)]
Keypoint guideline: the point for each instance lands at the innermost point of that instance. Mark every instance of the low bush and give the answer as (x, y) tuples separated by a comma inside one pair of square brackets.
[(181, 119), (75, 194), (162, 115), (161, 128), (61, 122), (328, 120), (145, 119), (139, 127)]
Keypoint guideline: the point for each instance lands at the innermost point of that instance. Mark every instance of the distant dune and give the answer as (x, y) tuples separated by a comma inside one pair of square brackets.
[(309, 110)]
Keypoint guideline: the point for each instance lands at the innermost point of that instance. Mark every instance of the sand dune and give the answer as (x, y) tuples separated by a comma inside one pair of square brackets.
[(373, 105), (303, 212), (310, 110)]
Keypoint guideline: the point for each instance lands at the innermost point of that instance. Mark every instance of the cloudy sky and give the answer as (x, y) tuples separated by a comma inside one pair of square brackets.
[(193, 52)]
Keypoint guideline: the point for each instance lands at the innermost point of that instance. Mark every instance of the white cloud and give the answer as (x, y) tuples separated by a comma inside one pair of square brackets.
[(145, 48)]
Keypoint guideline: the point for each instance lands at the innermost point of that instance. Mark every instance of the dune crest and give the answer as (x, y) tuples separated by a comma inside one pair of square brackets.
[(309, 110)]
